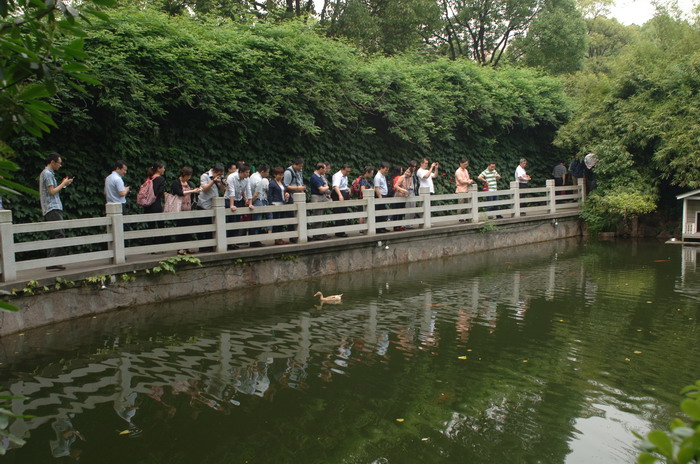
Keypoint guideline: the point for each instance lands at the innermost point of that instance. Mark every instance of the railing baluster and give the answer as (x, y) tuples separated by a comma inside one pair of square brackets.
[(302, 226), (7, 248), (114, 212)]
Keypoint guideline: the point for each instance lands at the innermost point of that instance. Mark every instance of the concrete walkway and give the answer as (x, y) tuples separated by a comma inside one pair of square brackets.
[(142, 262)]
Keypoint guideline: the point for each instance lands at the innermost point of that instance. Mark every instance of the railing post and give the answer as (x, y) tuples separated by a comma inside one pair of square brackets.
[(114, 212), (7, 246), (474, 193), (515, 187), (368, 196), (302, 226), (424, 193), (552, 196), (219, 208), (581, 190)]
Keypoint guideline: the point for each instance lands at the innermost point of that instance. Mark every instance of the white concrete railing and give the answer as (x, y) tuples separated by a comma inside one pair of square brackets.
[(169, 232)]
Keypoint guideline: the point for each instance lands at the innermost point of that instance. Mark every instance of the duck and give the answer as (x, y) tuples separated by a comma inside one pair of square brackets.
[(329, 298)]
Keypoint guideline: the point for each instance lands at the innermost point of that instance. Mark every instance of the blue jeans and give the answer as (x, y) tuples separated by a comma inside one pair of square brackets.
[(491, 198), (260, 217)]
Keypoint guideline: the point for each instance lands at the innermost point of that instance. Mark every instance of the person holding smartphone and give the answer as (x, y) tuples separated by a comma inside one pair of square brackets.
[(51, 206), (426, 176), (211, 185)]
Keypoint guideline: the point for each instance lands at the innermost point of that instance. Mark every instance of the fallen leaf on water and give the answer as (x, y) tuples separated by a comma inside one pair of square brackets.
[(469, 350), (462, 357), (125, 432), (639, 330), (22, 334), (561, 320), (424, 439), (650, 302), (662, 260), (637, 352), (524, 360), (399, 420), (627, 359)]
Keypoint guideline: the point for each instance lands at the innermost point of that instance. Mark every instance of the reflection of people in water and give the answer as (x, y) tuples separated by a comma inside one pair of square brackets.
[(254, 380), (126, 407), (295, 375), (463, 325), (156, 394), (65, 437)]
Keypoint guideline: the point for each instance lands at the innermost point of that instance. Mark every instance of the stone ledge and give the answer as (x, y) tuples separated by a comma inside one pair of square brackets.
[(262, 266)]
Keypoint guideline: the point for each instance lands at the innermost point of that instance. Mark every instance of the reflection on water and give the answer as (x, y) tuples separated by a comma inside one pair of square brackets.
[(552, 352)]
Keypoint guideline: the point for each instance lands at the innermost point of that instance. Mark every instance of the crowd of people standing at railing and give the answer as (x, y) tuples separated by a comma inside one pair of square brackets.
[(242, 188)]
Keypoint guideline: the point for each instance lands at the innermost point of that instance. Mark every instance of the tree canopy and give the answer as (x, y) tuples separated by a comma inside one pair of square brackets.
[(178, 90)]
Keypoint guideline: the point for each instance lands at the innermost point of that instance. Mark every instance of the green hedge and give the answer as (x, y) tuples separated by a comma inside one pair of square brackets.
[(195, 93)]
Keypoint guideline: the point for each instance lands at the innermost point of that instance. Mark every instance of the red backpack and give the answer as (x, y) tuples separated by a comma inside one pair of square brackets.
[(355, 189), (146, 197)]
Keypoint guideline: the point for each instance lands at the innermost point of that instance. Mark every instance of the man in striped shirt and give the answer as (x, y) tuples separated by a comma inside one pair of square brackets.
[(490, 177), (51, 206)]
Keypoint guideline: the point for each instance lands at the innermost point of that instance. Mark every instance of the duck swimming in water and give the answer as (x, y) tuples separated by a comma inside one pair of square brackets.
[(330, 298)]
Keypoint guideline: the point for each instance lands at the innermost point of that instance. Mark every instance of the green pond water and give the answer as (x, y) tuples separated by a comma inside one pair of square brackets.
[(548, 353)]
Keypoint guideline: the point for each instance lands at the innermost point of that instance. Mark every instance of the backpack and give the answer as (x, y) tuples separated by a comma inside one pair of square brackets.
[(355, 189), (294, 176), (390, 189), (146, 197)]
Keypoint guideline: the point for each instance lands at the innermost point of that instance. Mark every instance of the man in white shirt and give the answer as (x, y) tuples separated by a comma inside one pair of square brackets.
[(258, 186), (521, 175), (115, 191), (341, 192), (522, 178), (381, 190), (426, 176), (210, 182), (238, 194)]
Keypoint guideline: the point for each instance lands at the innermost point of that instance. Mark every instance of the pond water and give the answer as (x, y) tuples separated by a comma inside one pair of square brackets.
[(550, 353)]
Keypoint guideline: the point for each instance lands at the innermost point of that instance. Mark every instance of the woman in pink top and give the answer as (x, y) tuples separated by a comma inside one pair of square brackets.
[(463, 182)]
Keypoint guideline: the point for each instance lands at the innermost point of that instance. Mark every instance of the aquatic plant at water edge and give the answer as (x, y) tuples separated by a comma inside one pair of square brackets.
[(680, 445)]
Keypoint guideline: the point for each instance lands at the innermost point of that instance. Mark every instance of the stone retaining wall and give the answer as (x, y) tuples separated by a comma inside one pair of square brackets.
[(229, 271)]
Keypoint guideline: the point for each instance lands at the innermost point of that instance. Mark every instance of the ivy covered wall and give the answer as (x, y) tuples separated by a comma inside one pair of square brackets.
[(196, 93)]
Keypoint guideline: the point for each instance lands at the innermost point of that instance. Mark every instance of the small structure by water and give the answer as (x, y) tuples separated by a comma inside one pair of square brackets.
[(691, 215)]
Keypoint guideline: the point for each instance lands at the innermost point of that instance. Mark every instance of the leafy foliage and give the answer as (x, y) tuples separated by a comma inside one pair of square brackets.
[(555, 41), (386, 26), (179, 90), (682, 444), (39, 41), (482, 30), (648, 103), (169, 265), (5, 416), (621, 193)]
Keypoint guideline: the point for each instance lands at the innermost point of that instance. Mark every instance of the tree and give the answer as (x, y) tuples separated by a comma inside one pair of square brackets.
[(34, 54), (607, 36), (483, 29), (555, 41), (385, 26)]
